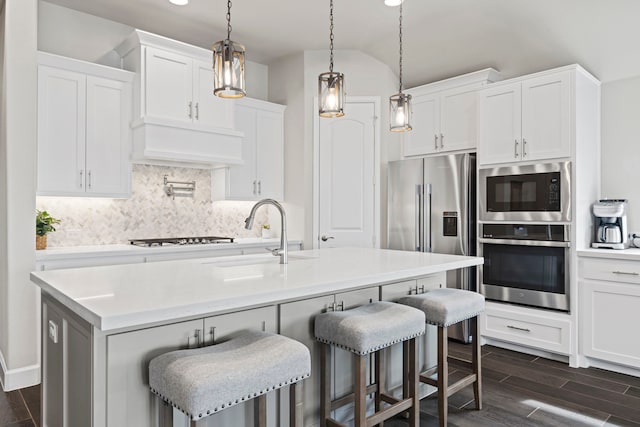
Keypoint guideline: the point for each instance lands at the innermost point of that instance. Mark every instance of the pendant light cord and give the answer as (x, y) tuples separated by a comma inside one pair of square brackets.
[(228, 19), (331, 36), (400, 47)]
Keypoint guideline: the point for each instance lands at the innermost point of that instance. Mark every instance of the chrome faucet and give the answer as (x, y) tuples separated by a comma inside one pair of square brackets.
[(248, 223)]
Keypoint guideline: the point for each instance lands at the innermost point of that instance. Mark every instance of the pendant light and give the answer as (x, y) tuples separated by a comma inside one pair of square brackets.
[(331, 84), (228, 65), (400, 103)]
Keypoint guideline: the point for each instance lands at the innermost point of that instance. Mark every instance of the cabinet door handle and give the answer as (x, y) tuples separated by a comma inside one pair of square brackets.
[(190, 109), (197, 111), (441, 141), (524, 148), (254, 187), (259, 187), (196, 337), (89, 179), (518, 329), (81, 173), (628, 273), (516, 149), (435, 141), (212, 332)]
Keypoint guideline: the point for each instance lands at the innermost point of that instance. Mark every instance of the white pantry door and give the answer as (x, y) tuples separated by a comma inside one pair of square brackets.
[(347, 177)]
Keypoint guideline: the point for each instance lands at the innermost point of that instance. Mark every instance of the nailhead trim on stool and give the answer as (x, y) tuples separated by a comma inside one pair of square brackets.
[(443, 308), (446, 307), (367, 329), (370, 327), (203, 381)]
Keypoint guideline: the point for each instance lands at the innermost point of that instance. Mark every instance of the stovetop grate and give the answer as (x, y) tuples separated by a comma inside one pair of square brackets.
[(171, 241)]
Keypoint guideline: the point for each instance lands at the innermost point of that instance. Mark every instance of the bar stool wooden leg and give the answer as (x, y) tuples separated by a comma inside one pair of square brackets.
[(164, 413), (443, 375), (476, 359), (413, 381), (380, 380), (325, 384), (260, 411), (296, 408), (360, 388)]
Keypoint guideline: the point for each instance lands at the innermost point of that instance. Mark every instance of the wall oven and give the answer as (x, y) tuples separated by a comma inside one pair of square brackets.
[(526, 264), (539, 192)]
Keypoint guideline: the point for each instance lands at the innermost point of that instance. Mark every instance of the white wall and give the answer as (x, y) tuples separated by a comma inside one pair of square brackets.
[(78, 35), (621, 144), (19, 337), (364, 76), (286, 86)]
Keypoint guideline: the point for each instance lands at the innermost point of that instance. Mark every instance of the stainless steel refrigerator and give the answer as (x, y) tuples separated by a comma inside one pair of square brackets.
[(432, 208)]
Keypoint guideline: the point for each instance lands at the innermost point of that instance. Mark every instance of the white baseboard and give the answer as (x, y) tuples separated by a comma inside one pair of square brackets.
[(15, 379), (622, 369)]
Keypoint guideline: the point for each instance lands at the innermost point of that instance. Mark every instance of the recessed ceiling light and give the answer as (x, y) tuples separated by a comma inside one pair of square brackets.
[(181, 2), (393, 2)]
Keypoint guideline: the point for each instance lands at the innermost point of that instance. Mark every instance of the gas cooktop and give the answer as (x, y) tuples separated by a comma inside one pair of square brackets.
[(171, 241)]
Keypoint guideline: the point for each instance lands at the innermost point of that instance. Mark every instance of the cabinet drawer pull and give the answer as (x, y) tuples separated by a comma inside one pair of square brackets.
[(628, 273), (515, 151), (518, 329)]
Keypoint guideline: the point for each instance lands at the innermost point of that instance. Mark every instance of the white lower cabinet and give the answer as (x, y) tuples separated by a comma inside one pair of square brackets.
[(66, 343), (539, 329), (610, 307), (130, 402), (297, 322)]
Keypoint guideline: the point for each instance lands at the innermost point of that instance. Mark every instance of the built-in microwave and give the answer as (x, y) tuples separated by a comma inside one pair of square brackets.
[(540, 192)]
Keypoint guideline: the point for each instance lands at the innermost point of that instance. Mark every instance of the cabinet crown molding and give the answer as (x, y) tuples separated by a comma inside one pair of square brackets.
[(139, 37), (485, 76)]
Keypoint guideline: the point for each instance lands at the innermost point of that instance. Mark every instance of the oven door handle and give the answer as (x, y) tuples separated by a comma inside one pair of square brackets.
[(517, 242)]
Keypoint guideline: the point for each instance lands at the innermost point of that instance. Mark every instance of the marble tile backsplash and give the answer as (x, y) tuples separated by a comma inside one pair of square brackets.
[(149, 212)]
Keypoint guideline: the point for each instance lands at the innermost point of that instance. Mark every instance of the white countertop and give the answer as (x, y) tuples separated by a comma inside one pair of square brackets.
[(129, 296), (632, 254), (76, 252)]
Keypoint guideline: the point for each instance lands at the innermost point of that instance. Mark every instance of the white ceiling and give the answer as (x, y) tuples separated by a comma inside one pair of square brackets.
[(442, 38)]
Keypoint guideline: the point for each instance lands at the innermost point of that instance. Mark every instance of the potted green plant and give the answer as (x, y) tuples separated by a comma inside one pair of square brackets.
[(266, 231), (44, 225)]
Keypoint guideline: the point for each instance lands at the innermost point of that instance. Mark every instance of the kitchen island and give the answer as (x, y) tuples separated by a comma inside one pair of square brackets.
[(102, 325)]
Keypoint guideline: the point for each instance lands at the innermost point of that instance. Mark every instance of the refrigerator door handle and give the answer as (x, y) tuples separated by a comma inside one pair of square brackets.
[(418, 215), (427, 218)]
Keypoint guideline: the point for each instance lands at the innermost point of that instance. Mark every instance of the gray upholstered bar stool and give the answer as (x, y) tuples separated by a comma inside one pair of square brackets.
[(365, 330), (443, 308), (203, 381)]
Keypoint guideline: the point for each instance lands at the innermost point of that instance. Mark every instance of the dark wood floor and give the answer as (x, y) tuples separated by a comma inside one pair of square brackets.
[(20, 408), (519, 391)]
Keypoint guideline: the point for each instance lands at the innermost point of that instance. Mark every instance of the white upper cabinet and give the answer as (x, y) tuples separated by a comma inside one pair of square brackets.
[(181, 88), (261, 175), (177, 118), (444, 114), (84, 139), (526, 120)]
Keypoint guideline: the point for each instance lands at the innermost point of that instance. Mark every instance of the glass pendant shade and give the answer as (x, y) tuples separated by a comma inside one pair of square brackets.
[(228, 69), (399, 112), (331, 94)]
